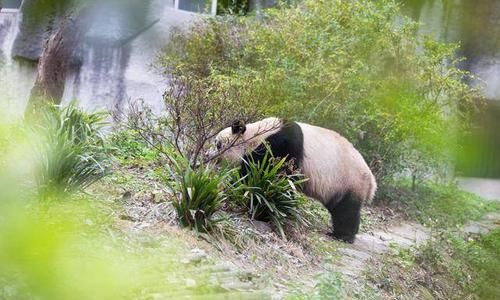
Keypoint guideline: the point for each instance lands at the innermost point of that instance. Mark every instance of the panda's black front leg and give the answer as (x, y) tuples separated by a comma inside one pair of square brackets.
[(345, 211)]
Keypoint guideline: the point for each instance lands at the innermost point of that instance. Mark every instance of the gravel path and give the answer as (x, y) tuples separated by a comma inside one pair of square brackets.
[(377, 242)]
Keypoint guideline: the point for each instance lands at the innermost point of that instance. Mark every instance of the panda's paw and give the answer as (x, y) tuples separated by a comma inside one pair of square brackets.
[(347, 238)]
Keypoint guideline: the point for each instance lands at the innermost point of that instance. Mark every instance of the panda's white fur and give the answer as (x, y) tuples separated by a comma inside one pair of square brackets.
[(236, 146), (330, 161), (333, 165)]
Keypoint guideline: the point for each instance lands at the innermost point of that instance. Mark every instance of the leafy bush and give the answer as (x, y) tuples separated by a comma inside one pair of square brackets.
[(483, 255), (233, 6), (198, 105), (357, 67), (268, 192), (128, 147), (68, 150), (198, 193)]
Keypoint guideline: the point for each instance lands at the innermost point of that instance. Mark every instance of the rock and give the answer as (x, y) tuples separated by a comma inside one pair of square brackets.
[(262, 227), (126, 196), (474, 228), (150, 197), (157, 196), (355, 254), (190, 283), (33, 32), (195, 256), (487, 223), (127, 218), (221, 268), (368, 245), (237, 285)]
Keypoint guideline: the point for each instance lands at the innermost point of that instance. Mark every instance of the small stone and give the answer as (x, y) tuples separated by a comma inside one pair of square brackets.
[(126, 196), (262, 227), (150, 197), (195, 256), (237, 285), (223, 267), (190, 283), (128, 218), (157, 196)]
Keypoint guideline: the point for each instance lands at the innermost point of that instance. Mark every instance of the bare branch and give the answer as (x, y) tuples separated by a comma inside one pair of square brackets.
[(196, 111)]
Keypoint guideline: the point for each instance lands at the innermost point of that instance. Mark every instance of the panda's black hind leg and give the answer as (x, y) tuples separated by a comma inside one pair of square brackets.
[(345, 210)]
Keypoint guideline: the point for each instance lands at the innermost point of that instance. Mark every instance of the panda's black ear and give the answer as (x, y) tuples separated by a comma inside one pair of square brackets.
[(238, 127)]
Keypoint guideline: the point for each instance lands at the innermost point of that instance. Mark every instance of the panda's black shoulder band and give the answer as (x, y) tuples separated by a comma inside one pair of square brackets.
[(287, 142)]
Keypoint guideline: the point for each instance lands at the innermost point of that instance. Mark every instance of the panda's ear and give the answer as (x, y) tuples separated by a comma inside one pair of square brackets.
[(238, 127)]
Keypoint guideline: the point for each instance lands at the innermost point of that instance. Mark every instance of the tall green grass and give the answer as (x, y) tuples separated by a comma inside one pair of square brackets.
[(68, 149), (198, 193)]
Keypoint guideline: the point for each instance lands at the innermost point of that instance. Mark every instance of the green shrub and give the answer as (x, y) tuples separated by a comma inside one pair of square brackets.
[(232, 6), (444, 206), (68, 150), (268, 192), (198, 193), (128, 147), (357, 67), (483, 255)]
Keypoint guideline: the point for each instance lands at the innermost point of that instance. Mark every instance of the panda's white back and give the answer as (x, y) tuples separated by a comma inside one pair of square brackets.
[(333, 165)]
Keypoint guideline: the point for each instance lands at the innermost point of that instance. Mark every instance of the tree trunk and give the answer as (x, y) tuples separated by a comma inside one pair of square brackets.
[(54, 64), (56, 58)]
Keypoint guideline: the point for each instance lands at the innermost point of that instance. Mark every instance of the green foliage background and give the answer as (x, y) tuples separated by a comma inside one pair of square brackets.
[(353, 66)]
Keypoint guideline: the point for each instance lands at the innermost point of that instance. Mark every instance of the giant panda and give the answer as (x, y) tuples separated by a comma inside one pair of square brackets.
[(338, 175)]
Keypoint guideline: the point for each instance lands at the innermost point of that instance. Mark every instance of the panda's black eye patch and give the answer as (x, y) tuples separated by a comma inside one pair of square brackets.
[(218, 145)]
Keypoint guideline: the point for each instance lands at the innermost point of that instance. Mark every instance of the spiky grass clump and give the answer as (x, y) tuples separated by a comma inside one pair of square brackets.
[(198, 193), (268, 192), (68, 150)]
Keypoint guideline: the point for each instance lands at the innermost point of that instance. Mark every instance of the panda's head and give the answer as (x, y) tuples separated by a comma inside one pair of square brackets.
[(232, 143)]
